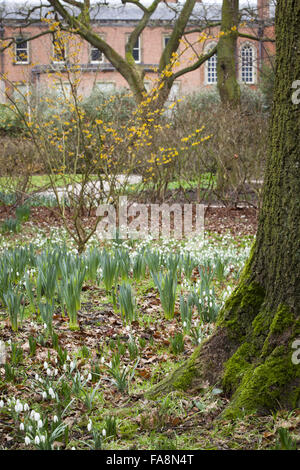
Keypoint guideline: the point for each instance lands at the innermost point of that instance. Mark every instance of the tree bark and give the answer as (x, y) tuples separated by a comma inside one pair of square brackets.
[(250, 353), (226, 66)]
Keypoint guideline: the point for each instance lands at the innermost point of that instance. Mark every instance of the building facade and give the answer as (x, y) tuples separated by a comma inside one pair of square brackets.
[(38, 62)]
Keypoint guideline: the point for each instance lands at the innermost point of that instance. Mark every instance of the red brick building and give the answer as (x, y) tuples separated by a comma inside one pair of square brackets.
[(36, 62)]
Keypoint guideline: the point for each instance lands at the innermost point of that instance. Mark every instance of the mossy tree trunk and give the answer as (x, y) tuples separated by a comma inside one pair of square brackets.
[(228, 86), (226, 66), (250, 353)]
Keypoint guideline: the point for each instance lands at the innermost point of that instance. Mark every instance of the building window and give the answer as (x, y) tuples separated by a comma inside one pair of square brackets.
[(20, 91), (247, 64), (59, 54), (211, 67), (166, 39), (96, 56), (105, 87), (21, 51), (136, 51)]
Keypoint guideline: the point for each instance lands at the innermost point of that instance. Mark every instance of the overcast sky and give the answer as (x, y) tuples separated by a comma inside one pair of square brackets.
[(252, 2)]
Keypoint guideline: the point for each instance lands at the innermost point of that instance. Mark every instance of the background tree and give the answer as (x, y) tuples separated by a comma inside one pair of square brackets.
[(228, 86), (250, 353), (77, 16)]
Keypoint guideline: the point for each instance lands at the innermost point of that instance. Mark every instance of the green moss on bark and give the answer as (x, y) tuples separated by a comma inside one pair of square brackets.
[(264, 388), (180, 379)]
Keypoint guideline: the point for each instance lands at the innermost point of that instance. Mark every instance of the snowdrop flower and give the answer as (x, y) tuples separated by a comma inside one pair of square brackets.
[(45, 326), (44, 395), (37, 417), (55, 419), (51, 392), (40, 424), (37, 377), (26, 407), (43, 438), (184, 324), (18, 407), (55, 371), (68, 358), (1, 403), (21, 427), (45, 365), (103, 432), (89, 377), (27, 440), (89, 426), (65, 367), (72, 365), (37, 440), (102, 360), (48, 372)]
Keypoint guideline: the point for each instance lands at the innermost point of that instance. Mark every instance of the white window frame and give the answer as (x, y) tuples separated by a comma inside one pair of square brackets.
[(98, 83), (139, 49), (254, 59), (96, 61), (208, 48), (22, 62)]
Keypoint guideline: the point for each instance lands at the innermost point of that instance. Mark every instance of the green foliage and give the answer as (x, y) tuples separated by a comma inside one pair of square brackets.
[(11, 224), (177, 343), (285, 440), (15, 304), (127, 303), (167, 287)]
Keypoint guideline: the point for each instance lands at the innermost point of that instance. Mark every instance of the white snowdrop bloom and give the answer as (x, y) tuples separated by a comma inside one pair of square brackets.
[(55, 372), (51, 392), (102, 360), (49, 372), (37, 440), (27, 440), (103, 432), (43, 438), (45, 326), (68, 358), (55, 360), (37, 416), (26, 407), (32, 414), (55, 419), (72, 365), (1, 403), (184, 324), (44, 395), (21, 427), (18, 407), (73, 448), (45, 365), (89, 426), (64, 367), (40, 424), (89, 377)]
